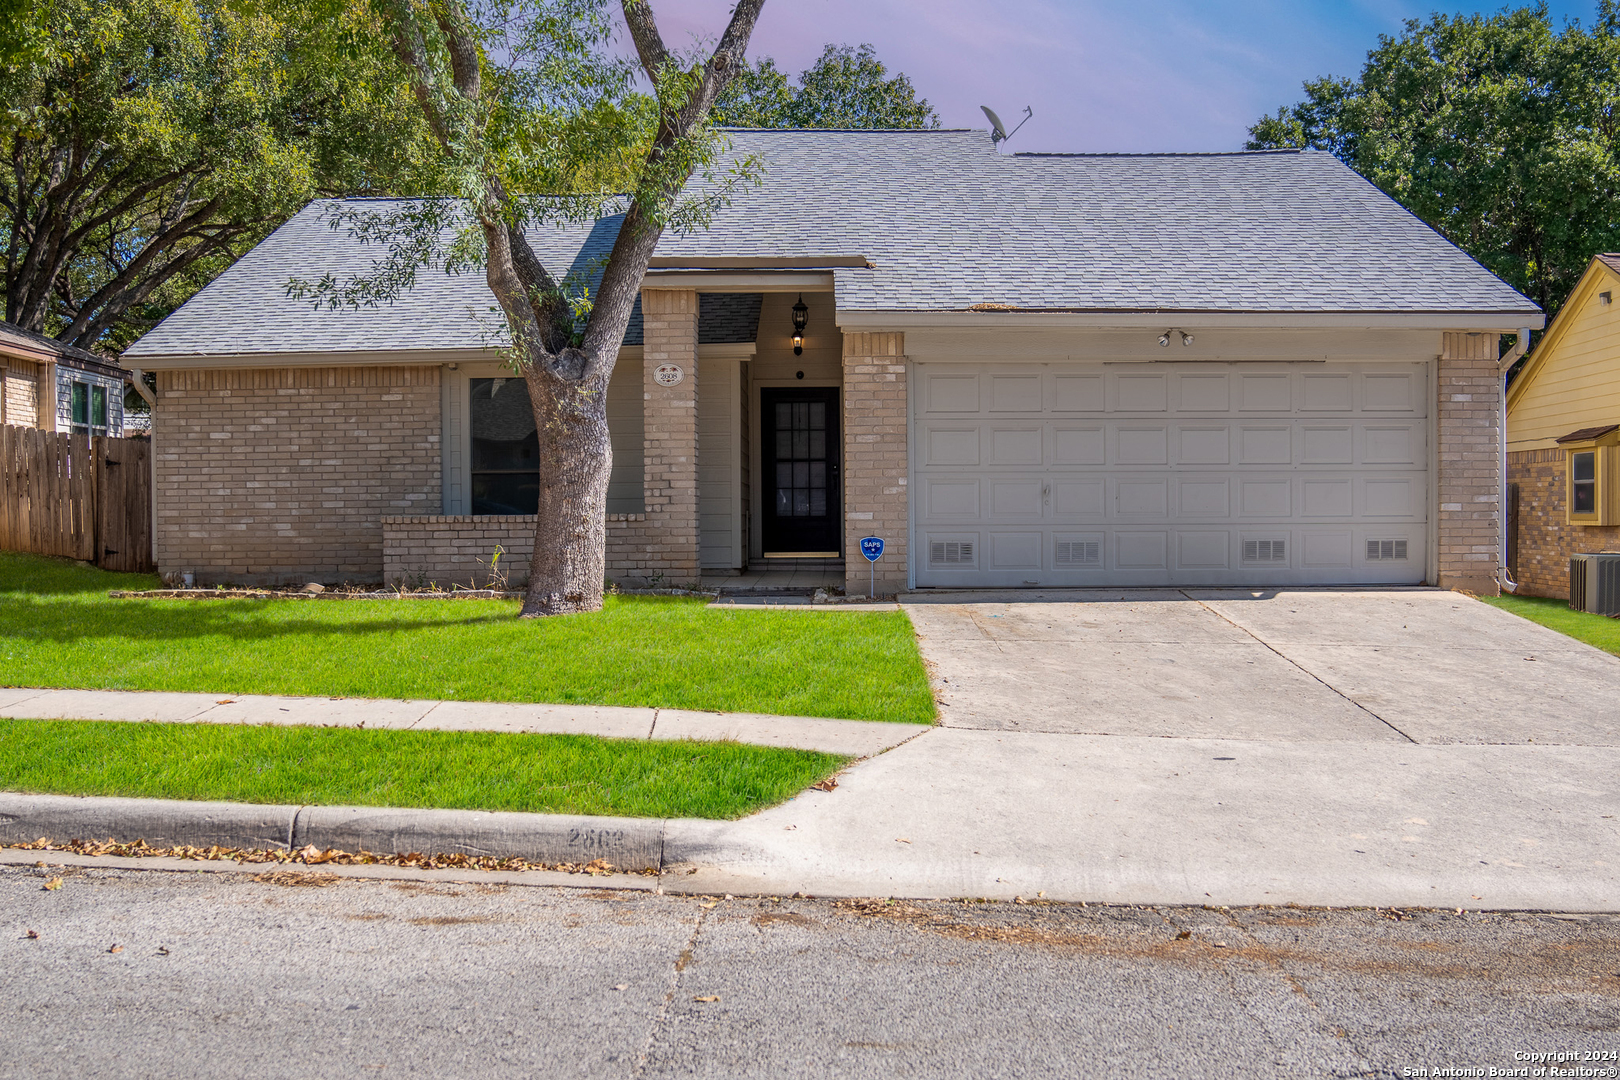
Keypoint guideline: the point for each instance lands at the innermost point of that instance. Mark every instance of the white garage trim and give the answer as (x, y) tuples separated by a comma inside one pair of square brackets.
[(1072, 475)]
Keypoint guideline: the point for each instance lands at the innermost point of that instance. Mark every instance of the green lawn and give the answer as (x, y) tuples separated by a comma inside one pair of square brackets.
[(558, 774), (1598, 630), (59, 628)]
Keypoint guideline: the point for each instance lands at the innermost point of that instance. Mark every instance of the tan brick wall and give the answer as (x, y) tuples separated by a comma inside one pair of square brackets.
[(669, 469), (21, 392), (1467, 421), (875, 459), (278, 475), (1546, 539), (450, 551)]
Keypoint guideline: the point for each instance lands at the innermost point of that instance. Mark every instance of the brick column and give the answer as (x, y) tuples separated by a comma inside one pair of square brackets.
[(1470, 490), (875, 459), (670, 318)]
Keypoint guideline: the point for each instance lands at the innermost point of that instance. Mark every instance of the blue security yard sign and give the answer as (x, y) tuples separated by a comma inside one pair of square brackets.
[(872, 548)]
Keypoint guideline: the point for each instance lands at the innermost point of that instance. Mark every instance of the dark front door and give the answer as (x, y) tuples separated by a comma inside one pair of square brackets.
[(803, 504)]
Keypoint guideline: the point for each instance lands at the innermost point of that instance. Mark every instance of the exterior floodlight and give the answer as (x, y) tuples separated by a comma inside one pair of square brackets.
[(801, 318), (1164, 339), (1186, 338)]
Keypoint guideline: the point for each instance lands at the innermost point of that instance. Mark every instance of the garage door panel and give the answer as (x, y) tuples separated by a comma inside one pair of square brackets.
[(1268, 392), (1078, 393), (1272, 444), (1327, 445), (1140, 392), (1015, 445), (1142, 497), (1327, 393), (951, 446), (1177, 473), (1079, 445), (1078, 498), (1015, 551), (951, 497), (1203, 392), (1142, 446), (1016, 498), (1141, 550), (1391, 392), (948, 392), (1015, 393), (1208, 498), (1203, 550), (1204, 445)]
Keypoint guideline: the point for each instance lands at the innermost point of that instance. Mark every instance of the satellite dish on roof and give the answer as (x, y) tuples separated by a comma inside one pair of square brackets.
[(998, 131)]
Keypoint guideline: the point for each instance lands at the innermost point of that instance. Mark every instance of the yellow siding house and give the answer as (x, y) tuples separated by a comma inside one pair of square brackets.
[(1563, 438)]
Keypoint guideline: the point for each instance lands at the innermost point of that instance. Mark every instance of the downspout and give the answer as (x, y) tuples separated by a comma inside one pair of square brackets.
[(1520, 347), (150, 398)]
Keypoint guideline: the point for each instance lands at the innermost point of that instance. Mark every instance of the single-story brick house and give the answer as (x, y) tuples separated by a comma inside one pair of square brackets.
[(1564, 437), (1028, 370), (58, 387)]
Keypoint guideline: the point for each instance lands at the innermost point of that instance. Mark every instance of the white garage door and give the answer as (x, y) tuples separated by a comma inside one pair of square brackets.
[(1059, 475)]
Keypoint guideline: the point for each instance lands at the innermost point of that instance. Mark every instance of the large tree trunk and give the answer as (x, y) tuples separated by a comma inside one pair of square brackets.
[(569, 567)]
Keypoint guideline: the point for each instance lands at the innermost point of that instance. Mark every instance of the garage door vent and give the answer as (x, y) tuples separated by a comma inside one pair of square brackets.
[(1386, 549), (1079, 552), (1265, 551), (951, 553)]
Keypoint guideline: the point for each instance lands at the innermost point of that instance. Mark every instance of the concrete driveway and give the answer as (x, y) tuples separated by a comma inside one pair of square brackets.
[(1372, 747), (1417, 665)]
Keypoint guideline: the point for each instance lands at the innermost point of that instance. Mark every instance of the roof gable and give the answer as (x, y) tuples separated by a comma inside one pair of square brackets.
[(1572, 379)]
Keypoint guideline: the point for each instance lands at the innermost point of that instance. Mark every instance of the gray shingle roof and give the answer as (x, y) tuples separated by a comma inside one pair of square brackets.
[(947, 224)]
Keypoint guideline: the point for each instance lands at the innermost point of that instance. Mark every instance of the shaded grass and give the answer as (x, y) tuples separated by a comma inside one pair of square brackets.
[(474, 770), (59, 628), (1599, 631)]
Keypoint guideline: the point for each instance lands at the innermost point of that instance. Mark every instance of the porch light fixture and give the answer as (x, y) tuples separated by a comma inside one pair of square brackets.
[(801, 318)]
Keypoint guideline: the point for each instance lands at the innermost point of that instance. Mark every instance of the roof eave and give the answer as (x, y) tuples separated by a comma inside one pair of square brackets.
[(1504, 322)]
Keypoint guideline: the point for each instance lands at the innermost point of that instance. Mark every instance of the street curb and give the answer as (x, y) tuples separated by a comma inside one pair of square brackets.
[(628, 844)]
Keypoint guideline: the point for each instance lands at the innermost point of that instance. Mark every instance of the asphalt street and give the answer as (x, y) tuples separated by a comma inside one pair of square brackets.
[(151, 974)]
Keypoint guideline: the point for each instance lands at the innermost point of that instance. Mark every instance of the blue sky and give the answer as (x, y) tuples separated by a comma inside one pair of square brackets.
[(1142, 75)]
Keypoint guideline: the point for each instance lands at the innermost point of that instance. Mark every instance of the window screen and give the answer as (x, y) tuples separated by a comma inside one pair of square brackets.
[(505, 447), (1583, 483)]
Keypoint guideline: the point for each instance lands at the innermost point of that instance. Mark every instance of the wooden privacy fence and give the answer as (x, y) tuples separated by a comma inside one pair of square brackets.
[(76, 496)]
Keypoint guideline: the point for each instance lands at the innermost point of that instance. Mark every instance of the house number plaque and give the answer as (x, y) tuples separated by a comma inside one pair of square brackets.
[(668, 374)]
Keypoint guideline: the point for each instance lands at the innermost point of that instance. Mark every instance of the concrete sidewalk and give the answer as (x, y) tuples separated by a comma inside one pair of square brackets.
[(859, 738)]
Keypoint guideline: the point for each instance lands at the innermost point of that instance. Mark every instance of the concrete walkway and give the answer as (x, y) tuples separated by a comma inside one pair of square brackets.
[(856, 737), (1406, 747)]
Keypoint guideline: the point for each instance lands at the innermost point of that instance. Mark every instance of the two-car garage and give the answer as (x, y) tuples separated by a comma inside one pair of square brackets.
[(1192, 473)]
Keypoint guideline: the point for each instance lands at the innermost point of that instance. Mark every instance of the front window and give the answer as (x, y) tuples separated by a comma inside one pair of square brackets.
[(505, 448), (88, 405), (1583, 483)]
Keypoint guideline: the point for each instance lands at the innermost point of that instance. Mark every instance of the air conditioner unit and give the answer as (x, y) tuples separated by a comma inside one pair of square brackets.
[(1594, 582)]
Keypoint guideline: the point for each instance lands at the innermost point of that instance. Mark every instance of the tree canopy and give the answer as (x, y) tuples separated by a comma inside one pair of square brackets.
[(151, 142), (845, 88), (1502, 133)]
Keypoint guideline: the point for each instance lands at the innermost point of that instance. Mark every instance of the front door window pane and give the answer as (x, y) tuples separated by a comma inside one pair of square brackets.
[(505, 447)]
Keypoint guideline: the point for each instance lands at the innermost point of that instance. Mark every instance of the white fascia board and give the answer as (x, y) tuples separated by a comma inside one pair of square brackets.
[(357, 358), (731, 350), (731, 281), (1461, 321)]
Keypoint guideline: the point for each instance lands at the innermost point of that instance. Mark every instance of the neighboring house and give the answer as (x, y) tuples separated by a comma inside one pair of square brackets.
[(1042, 370), (1564, 436), (58, 387)]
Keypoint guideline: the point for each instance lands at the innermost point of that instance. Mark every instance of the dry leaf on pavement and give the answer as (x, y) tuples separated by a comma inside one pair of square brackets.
[(825, 785), (32, 935), (54, 883), (707, 997), (116, 948)]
